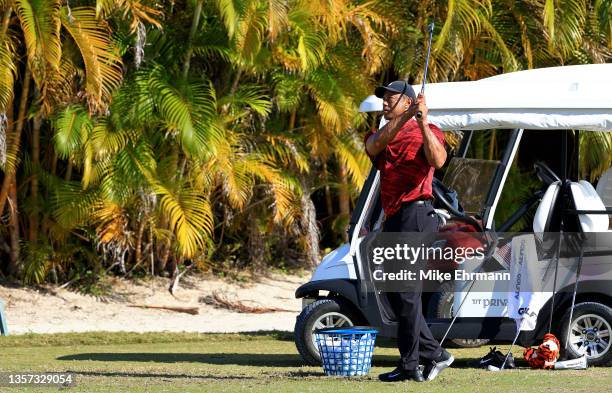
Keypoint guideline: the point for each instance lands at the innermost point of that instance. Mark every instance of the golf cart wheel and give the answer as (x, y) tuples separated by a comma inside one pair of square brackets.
[(590, 333), (441, 306), (324, 313)]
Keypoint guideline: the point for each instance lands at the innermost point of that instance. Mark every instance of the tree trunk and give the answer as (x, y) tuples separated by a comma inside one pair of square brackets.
[(309, 226), (138, 251), (235, 82), (344, 198), (328, 198), (492, 145), (162, 261), (13, 265), (255, 245), (6, 18), (68, 170), (13, 148), (194, 27), (54, 164), (151, 250), (292, 119), (33, 229)]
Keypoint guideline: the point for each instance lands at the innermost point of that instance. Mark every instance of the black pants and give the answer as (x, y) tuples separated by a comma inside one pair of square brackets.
[(414, 339)]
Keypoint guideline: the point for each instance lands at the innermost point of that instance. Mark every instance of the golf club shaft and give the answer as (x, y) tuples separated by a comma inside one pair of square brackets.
[(511, 346), (552, 302), (457, 313), (419, 114), (569, 323)]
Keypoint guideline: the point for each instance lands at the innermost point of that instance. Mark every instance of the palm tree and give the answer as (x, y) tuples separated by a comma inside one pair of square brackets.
[(154, 133), (47, 27)]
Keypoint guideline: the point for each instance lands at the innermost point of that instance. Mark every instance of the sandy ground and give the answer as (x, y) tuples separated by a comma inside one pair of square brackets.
[(53, 310)]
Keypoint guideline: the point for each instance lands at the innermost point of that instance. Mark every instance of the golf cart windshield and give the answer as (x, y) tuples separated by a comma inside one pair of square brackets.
[(471, 178)]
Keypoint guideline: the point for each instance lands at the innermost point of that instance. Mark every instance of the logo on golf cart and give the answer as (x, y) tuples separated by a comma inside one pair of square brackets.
[(525, 310)]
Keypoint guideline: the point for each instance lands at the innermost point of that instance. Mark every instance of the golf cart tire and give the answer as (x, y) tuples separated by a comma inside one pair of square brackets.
[(440, 306), (306, 320), (598, 309)]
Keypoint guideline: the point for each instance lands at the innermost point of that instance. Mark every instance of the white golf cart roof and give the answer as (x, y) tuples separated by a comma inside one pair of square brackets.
[(570, 97)]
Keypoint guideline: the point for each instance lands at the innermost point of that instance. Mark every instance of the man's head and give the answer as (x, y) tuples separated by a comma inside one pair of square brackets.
[(397, 97)]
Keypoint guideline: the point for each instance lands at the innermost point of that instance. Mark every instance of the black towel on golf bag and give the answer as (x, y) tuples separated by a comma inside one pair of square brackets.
[(495, 358)]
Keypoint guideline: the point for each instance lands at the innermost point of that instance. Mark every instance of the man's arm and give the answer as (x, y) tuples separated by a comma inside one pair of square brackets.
[(434, 150), (378, 141)]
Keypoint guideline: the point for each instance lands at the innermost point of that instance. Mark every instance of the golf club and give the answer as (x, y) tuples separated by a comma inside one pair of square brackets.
[(493, 368), (492, 247), (431, 29), (457, 313), (418, 114), (552, 302), (511, 346), (569, 323)]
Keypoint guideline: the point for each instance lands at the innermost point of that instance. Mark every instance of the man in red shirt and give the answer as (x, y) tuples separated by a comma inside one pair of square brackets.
[(406, 151)]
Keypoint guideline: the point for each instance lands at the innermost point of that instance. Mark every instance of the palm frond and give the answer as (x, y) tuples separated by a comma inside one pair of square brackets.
[(311, 42), (136, 11), (8, 72), (190, 217), (103, 71), (111, 223), (287, 88), (73, 206), (107, 140), (251, 96), (564, 21), (369, 22), (62, 87), (229, 14), (333, 108), (595, 154), (188, 110), (548, 16), (462, 24), (349, 151), (250, 32), (40, 23), (133, 105), (37, 262), (285, 188), (235, 180), (603, 12), (187, 211), (277, 17), (283, 151), (510, 63), (72, 128)]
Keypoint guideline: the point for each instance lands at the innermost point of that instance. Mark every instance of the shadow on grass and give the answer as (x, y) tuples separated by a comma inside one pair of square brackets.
[(392, 361), (240, 359), (154, 375), (275, 334)]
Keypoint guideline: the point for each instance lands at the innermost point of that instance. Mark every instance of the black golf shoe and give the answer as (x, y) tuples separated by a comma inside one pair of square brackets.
[(399, 374), (433, 368), (495, 358)]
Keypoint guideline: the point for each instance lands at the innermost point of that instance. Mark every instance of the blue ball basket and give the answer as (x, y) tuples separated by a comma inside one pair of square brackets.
[(346, 352)]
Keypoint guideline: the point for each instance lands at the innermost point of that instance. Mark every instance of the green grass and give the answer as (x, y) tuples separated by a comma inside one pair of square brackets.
[(253, 362)]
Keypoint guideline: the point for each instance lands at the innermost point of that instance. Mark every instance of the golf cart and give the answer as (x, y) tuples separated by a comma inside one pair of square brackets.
[(557, 98)]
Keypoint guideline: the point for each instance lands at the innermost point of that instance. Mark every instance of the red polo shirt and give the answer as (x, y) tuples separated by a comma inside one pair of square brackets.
[(405, 173)]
